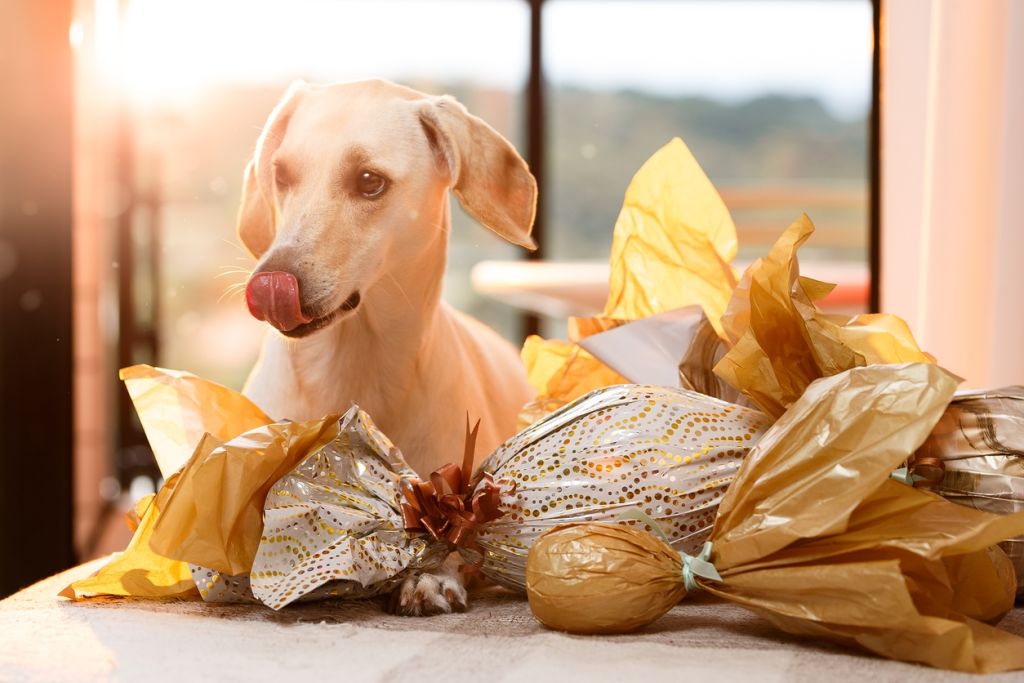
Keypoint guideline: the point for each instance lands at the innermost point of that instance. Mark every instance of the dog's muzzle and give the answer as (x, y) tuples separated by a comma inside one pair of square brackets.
[(274, 297)]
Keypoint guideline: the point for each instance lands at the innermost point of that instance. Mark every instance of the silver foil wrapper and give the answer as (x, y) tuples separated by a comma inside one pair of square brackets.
[(975, 455), (217, 587), (669, 453), (332, 527)]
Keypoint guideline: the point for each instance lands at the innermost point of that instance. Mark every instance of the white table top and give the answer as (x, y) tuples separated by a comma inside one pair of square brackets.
[(46, 638)]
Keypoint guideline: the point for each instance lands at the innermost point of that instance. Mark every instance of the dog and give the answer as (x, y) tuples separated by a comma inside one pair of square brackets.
[(346, 209)]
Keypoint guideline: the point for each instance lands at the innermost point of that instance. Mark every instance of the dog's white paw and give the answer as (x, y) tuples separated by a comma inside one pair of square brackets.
[(422, 595)]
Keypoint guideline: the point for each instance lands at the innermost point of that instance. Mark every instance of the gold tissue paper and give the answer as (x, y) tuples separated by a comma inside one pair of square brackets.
[(673, 242), (602, 578), (763, 337), (138, 571), (176, 409), (186, 420), (214, 516), (779, 341), (673, 246), (815, 535)]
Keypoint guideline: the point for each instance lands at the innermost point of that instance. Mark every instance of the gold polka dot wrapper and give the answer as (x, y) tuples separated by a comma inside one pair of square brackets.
[(215, 586), (670, 453), (332, 527)]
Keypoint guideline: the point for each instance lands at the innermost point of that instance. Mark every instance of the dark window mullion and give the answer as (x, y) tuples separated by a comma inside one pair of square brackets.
[(874, 165), (535, 140)]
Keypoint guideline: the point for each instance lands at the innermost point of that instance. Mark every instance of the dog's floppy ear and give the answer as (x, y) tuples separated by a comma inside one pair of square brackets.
[(491, 180), (257, 216)]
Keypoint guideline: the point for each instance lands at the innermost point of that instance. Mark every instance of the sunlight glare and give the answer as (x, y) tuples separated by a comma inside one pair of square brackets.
[(171, 51)]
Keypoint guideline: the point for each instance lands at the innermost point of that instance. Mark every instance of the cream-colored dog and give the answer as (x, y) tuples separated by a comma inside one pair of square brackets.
[(346, 209)]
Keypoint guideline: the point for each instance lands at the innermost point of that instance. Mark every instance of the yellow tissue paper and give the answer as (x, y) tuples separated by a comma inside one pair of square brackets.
[(673, 246), (674, 241), (185, 419), (780, 341), (138, 571)]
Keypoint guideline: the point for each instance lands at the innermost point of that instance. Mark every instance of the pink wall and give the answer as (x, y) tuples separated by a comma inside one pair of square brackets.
[(953, 181)]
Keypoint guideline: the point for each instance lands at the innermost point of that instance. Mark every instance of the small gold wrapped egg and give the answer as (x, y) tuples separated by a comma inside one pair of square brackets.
[(602, 578)]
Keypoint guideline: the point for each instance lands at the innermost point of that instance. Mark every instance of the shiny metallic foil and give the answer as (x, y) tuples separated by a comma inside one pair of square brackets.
[(333, 527), (976, 452), (668, 452)]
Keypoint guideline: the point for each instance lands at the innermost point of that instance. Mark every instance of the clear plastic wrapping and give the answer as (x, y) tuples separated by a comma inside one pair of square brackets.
[(975, 457)]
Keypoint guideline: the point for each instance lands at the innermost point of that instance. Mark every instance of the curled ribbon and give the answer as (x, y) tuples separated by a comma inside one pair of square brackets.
[(450, 506)]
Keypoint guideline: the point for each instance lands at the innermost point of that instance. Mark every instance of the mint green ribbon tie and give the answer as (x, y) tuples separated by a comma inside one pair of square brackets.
[(694, 566), (904, 476), (698, 565)]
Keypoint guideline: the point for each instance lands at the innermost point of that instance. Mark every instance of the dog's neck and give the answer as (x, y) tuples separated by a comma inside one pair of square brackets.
[(387, 333)]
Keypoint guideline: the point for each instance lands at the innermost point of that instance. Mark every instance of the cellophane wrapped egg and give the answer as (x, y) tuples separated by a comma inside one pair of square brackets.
[(669, 453), (975, 457)]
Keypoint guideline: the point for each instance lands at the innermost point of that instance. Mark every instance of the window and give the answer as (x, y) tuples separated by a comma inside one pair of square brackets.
[(772, 97)]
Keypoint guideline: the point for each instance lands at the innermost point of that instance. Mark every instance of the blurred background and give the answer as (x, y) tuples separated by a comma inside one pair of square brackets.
[(778, 118), (165, 101)]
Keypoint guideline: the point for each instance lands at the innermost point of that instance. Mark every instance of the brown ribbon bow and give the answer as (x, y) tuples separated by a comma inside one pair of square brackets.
[(444, 507)]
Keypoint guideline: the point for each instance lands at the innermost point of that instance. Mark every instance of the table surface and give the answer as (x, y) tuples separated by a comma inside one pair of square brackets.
[(46, 638)]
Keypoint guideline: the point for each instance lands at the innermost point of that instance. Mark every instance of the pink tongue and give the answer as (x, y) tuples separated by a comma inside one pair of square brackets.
[(274, 297)]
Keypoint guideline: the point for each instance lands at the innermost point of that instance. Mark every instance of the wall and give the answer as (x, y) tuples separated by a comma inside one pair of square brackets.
[(952, 247)]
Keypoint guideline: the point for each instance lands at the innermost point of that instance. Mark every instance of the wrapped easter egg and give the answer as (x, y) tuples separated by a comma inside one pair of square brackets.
[(670, 453), (332, 526), (602, 578), (815, 536), (975, 457)]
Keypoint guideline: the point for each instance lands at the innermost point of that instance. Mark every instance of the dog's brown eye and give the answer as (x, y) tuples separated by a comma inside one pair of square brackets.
[(371, 185)]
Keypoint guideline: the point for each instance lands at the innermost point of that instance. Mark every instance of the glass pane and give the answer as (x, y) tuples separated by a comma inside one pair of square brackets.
[(202, 78), (772, 97)]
